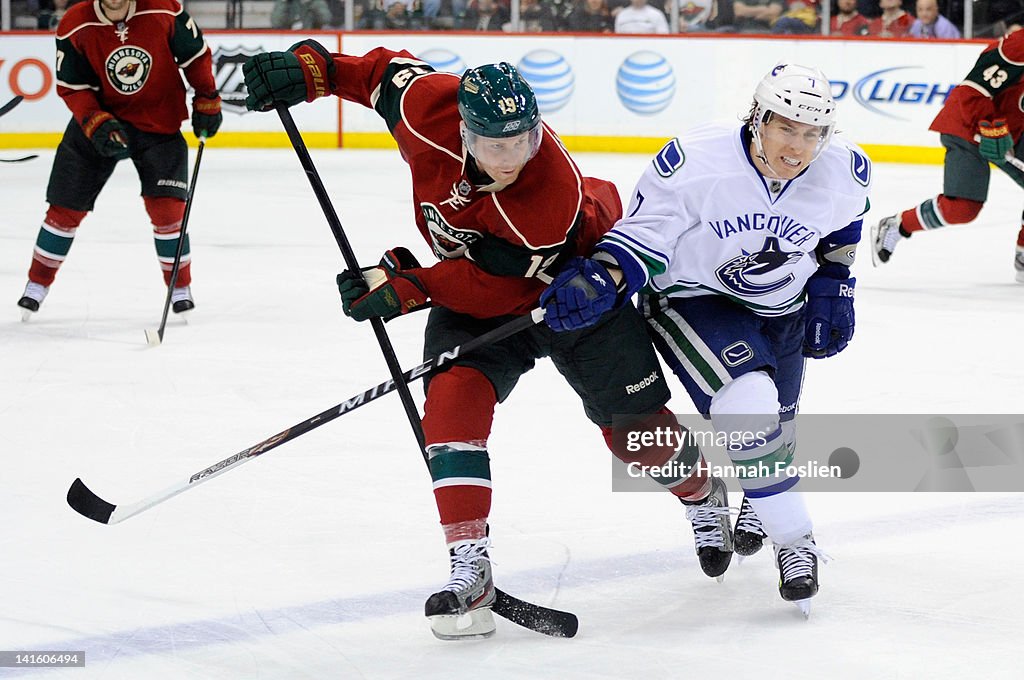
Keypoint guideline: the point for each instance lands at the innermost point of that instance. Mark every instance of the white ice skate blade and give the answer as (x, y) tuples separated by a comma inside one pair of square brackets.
[(1020, 277), (26, 314), (720, 578), (474, 625), (804, 606)]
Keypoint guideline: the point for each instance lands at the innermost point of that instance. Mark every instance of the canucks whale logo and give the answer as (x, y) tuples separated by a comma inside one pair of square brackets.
[(733, 274), (645, 83), (444, 61), (551, 78)]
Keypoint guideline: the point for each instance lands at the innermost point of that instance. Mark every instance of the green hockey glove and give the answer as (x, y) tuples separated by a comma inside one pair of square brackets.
[(107, 135), (995, 140), (303, 73), (386, 291)]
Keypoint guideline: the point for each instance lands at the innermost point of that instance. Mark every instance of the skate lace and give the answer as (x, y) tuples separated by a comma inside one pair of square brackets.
[(36, 291), (748, 520), (464, 565), (797, 558), (707, 520), (179, 294)]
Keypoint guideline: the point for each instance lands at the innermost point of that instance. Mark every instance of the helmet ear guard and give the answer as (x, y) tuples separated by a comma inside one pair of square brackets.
[(799, 93)]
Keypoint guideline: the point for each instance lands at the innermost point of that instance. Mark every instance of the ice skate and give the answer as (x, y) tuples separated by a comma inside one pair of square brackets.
[(31, 299), (1018, 264), (181, 300), (748, 536), (798, 571), (462, 609), (712, 530), (884, 237)]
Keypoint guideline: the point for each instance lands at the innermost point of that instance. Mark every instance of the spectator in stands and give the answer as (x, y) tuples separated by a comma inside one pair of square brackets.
[(639, 17), (893, 23), (846, 20), (693, 14), (799, 17), (756, 16), (535, 16), (50, 14), (288, 14), (590, 16), (485, 15), (931, 24)]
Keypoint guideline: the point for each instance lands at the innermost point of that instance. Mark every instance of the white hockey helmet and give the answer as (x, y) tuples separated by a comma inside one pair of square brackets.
[(799, 93)]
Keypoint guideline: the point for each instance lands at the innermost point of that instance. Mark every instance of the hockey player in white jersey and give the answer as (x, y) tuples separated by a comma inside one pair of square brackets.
[(740, 241)]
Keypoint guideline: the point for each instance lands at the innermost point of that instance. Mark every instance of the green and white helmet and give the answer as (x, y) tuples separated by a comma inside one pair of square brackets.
[(495, 102)]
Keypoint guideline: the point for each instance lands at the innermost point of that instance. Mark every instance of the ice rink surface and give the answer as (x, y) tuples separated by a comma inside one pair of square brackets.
[(314, 561)]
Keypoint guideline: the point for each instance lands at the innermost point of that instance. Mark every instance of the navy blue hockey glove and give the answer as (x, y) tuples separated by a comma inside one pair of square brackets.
[(579, 295), (107, 135), (828, 313), (303, 73), (386, 291)]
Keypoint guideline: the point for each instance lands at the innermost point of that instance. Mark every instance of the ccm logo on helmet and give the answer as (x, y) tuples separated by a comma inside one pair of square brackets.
[(636, 387), (512, 125)]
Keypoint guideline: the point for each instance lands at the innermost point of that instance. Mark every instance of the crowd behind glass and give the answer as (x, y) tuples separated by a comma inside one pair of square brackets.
[(884, 18)]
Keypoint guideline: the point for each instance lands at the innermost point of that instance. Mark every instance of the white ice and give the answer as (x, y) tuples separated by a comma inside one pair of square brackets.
[(314, 560)]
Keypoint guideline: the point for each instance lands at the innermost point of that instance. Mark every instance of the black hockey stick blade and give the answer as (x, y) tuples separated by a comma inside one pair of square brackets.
[(88, 504), (551, 622), (10, 105), (19, 160)]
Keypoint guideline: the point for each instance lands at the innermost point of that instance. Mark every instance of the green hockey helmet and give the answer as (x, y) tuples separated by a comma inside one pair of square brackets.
[(495, 101)]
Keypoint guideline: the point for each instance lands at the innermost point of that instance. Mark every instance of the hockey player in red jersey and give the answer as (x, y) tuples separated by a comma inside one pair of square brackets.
[(119, 65), (503, 207), (980, 123)]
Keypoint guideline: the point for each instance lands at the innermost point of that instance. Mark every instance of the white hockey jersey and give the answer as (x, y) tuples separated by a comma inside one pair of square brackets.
[(702, 220)]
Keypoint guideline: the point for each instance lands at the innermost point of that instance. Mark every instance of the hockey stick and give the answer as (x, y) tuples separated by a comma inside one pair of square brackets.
[(540, 619), (550, 622), (88, 504), (1014, 161), (154, 338), (6, 108), (19, 160), (411, 411)]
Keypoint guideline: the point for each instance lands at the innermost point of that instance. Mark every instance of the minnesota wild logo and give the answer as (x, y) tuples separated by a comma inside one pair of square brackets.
[(128, 68), (449, 242)]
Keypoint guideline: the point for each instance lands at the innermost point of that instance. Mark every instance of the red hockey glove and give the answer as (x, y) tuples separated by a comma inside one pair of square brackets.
[(206, 115), (107, 135), (385, 291), (995, 140)]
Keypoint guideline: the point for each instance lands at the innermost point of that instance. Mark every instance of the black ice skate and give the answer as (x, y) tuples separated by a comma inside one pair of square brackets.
[(748, 536), (31, 299), (712, 533), (462, 609), (181, 300), (798, 571)]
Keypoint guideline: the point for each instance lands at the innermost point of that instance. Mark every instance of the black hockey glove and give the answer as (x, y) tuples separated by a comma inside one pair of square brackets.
[(386, 291), (303, 73), (579, 295), (107, 135), (206, 115), (828, 313)]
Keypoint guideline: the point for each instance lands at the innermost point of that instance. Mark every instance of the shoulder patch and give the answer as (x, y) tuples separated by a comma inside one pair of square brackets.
[(669, 159), (860, 168)]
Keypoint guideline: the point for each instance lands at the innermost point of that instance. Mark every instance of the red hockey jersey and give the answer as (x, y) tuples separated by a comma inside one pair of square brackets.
[(498, 247), (131, 69), (993, 89)]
